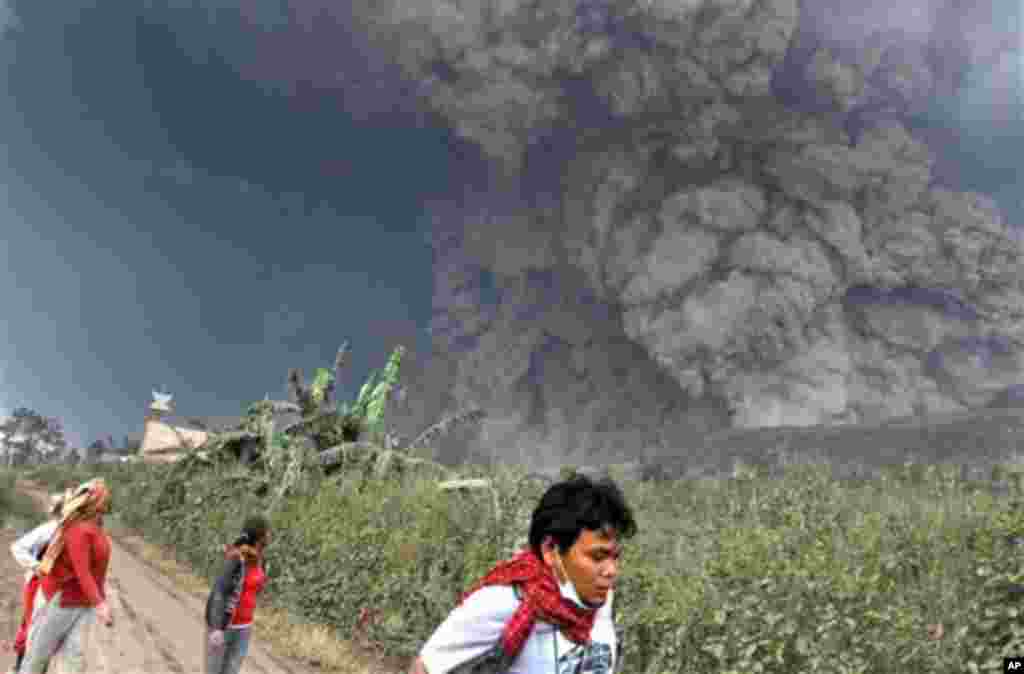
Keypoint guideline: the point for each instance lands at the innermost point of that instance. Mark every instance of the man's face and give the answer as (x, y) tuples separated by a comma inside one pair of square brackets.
[(592, 564)]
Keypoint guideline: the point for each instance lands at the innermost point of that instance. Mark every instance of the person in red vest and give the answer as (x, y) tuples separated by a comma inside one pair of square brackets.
[(73, 579), (231, 605)]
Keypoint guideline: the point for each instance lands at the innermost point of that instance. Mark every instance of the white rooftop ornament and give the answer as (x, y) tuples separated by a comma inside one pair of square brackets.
[(161, 402)]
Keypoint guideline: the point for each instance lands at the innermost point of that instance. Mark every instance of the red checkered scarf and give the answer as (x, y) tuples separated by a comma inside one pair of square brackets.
[(541, 601)]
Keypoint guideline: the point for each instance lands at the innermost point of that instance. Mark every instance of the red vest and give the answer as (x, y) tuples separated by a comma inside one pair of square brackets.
[(252, 585)]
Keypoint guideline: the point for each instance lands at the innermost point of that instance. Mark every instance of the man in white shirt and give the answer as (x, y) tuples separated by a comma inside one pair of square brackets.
[(548, 609), (28, 552), (26, 549)]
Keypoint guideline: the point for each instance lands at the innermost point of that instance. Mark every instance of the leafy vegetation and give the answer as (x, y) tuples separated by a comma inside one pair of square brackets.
[(743, 574), (916, 570), (16, 508), (313, 431)]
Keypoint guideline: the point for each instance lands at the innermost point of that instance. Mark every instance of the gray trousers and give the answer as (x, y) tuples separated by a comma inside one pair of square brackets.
[(52, 624), (228, 658)]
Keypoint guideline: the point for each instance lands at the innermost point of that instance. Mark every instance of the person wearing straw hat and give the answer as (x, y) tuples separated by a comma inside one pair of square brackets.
[(73, 571), (28, 552)]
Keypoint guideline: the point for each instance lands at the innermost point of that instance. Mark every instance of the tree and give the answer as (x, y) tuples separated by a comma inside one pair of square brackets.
[(57, 443), (21, 431), (52, 445), (29, 437)]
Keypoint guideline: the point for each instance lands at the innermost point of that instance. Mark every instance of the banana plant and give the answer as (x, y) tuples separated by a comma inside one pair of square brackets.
[(369, 406), (323, 379)]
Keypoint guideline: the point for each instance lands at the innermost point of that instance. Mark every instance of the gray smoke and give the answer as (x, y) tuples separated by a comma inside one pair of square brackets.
[(715, 214), (673, 217)]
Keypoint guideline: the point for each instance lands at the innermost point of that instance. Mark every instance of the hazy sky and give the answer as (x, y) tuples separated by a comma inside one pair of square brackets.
[(167, 223), (189, 200)]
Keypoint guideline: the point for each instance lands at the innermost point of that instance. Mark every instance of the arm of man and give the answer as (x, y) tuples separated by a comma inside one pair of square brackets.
[(27, 547), (470, 630), (221, 606)]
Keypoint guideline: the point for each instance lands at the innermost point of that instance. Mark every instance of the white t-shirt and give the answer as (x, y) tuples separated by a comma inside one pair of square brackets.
[(26, 548), (476, 625)]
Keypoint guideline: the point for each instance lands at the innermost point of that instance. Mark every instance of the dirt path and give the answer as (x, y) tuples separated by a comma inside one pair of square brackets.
[(157, 629)]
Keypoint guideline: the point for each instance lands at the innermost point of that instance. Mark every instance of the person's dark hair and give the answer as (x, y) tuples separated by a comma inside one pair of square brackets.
[(254, 529), (578, 503)]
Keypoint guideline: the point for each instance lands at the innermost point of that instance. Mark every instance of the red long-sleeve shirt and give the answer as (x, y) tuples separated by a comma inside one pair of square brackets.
[(80, 571)]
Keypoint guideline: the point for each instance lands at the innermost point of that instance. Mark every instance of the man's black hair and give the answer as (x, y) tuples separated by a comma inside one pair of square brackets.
[(578, 503)]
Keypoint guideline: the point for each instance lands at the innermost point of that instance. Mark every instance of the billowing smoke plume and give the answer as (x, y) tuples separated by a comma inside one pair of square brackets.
[(675, 216)]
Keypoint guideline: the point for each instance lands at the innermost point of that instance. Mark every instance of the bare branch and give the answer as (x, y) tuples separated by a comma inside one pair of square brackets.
[(447, 425)]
